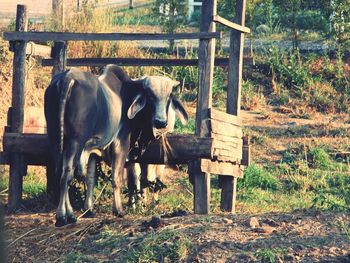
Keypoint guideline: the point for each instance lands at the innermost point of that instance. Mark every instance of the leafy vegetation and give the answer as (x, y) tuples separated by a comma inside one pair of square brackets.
[(270, 255)]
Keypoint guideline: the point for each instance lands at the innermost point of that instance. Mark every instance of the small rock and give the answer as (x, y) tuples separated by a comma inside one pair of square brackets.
[(333, 250), (299, 222), (227, 221), (253, 222), (265, 229)]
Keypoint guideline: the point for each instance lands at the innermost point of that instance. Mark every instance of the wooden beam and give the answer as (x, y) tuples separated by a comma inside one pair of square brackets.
[(231, 25), (236, 63), (213, 167), (206, 55), (155, 62), (59, 57), (181, 148), (246, 158), (214, 114), (67, 36), (17, 165), (233, 105)]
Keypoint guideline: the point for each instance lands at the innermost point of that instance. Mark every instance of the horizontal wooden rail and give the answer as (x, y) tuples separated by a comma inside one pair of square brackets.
[(79, 62), (180, 148), (184, 148), (67, 36), (230, 24)]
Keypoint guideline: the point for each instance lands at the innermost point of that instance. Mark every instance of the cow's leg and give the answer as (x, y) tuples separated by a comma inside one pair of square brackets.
[(134, 188), (119, 155), (158, 175), (71, 218), (66, 177), (90, 183), (117, 170)]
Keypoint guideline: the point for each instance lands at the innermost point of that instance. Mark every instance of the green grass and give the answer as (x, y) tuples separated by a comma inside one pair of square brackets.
[(136, 16), (271, 255), (148, 246), (188, 128), (256, 177), (33, 185)]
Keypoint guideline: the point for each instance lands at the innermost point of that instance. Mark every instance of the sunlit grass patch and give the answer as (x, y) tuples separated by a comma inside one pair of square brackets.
[(271, 255), (165, 244)]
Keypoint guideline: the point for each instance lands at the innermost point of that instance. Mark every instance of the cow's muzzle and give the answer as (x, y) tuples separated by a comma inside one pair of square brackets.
[(160, 124)]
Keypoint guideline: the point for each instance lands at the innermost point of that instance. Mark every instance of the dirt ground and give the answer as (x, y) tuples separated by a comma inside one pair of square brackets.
[(298, 237), (303, 236)]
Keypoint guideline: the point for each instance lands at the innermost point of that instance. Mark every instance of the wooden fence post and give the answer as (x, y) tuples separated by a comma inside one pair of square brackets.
[(206, 55), (18, 166), (229, 183), (59, 54)]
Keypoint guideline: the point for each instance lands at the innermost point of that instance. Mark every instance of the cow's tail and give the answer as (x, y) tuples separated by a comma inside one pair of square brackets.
[(65, 92)]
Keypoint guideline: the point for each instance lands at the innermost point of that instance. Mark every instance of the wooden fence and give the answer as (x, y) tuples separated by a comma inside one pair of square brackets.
[(217, 147)]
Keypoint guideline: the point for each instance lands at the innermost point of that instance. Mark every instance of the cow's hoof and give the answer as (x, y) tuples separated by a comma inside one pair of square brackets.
[(61, 221), (89, 214), (71, 219)]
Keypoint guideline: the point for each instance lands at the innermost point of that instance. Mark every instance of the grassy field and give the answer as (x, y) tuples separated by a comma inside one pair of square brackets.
[(293, 201)]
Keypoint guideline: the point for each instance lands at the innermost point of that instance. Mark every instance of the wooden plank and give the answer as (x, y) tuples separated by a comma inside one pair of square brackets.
[(236, 62), (17, 165), (221, 116), (206, 55), (184, 147), (233, 105), (246, 151), (231, 25), (228, 193), (59, 57), (201, 189), (212, 127), (68, 36), (38, 50), (229, 169), (154, 62)]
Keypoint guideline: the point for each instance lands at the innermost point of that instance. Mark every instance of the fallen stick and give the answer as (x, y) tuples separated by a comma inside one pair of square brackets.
[(14, 241), (99, 195)]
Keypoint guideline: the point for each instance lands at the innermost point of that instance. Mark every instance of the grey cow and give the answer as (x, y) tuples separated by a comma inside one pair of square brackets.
[(103, 115), (140, 174)]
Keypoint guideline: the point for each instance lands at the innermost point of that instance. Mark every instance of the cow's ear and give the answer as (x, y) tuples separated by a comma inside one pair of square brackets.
[(138, 104), (179, 109)]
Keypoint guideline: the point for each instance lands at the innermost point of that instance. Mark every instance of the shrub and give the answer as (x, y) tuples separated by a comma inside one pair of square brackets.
[(172, 14), (263, 30), (318, 158), (251, 97), (305, 19), (258, 177)]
